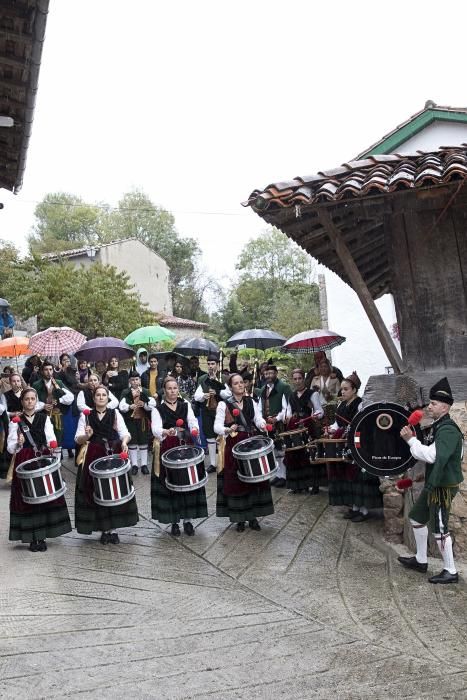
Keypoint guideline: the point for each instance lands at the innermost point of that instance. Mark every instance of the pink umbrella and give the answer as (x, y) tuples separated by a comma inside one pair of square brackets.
[(54, 341), (313, 341)]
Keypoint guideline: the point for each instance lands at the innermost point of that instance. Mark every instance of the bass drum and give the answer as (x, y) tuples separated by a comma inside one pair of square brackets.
[(375, 442)]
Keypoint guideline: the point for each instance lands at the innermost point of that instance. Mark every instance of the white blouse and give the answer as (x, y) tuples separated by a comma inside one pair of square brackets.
[(221, 429), (157, 426), (81, 402), (12, 443), (120, 427), (124, 406)]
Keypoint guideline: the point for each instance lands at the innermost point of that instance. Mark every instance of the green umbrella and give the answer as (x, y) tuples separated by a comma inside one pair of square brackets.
[(148, 335)]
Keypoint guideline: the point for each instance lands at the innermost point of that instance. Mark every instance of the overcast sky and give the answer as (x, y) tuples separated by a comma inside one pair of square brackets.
[(198, 103)]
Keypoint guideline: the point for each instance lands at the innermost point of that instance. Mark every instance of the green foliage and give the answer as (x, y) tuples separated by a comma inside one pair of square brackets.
[(275, 289)]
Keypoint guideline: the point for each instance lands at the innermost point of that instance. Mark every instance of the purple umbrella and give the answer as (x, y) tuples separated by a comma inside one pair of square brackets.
[(102, 349)]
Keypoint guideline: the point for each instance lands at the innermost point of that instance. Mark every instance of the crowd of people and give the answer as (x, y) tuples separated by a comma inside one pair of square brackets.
[(143, 412)]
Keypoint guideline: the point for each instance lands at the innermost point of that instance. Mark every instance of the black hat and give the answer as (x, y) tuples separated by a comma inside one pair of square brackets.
[(441, 391), (134, 374), (271, 365), (212, 358)]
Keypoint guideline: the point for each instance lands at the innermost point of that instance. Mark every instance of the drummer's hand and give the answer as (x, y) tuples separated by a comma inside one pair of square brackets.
[(406, 433), (206, 396), (139, 403), (124, 446), (48, 407), (172, 432), (234, 428), (20, 439), (272, 420), (89, 432)]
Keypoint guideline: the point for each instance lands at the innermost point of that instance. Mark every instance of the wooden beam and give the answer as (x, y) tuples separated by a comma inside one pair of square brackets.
[(362, 291)]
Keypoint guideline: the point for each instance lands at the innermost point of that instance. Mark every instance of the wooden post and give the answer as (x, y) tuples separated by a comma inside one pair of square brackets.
[(362, 291)]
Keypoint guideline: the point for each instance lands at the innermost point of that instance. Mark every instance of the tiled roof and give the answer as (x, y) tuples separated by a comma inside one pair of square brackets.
[(73, 252), (380, 174), (358, 196), (181, 322)]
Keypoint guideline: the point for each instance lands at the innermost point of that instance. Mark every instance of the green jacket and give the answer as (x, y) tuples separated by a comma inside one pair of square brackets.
[(56, 393), (279, 390), (446, 470)]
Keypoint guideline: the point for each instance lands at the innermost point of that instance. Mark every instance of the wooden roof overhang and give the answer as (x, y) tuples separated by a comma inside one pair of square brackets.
[(22, 30)]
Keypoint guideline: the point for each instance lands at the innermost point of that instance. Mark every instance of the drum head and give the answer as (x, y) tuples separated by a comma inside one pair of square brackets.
[(105, 464), (38, 463), (184, 453), (252, 445), (375, 441)]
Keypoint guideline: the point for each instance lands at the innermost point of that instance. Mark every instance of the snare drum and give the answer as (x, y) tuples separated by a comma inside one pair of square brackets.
[(184, 468), (297, 439), (112, 481), (255, 459), (328, 450), (41, 480)]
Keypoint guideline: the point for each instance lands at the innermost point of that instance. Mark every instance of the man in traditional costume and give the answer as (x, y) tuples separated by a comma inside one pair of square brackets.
[(208, 395), (442, 454), (136, 406), (55, 397), (274, 397)]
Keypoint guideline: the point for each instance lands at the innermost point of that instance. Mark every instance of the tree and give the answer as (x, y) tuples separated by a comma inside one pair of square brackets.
[(97, 300), (275, 288)]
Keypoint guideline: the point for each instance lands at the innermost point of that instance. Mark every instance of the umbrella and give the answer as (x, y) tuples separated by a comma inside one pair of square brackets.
[(196, 346), (257, 338), (313, 341), (149, 335), (163, 362), (13, 347), (102, 349), (4, 302), (54, 341)]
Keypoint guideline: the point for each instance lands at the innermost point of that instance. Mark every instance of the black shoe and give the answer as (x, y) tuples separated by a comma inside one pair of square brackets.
[(175, 530), (444, 577), (240, 527), (34, 546), (134, 471), (42, 546), (105, 538), (144, 470), (70, 454), (211, 469), (350, 514), (280, 484), (273, 482), (412, 563), (296, 491), (360, 517), (114, 538), (314, 490), (254, 524), (188, 529)]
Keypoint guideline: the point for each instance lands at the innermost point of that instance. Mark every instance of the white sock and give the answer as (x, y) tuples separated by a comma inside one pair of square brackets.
[(133, 452), (445, 548), (186, 520), (212, 453), (143, 451), (421, 540), (363, 510), (280, 474), (355, 508)]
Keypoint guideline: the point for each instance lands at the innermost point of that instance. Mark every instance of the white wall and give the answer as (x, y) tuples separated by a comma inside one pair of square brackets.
[(434, 136)]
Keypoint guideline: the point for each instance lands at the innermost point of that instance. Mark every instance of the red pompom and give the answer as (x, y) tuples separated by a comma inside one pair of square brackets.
[(403, 484), (269, 427), (16, 419), (87, 411), (235, 412), (415, 417), (53, 445), (195, 432), (123, 455), (179, 423)]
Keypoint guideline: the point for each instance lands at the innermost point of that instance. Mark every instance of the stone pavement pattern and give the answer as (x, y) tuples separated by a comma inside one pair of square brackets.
[(310, 607)]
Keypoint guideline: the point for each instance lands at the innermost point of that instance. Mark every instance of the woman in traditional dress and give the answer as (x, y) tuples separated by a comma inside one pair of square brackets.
[(70, 378), (85, 398), (96, 433), (168, 420), (348, 485), (114, 378), (32, 523), (303, 403), (236, 418)]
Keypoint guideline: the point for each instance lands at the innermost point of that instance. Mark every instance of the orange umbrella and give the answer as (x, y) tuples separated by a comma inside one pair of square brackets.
[(13, 347)]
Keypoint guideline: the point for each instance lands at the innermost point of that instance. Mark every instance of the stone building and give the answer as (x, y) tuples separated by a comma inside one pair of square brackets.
[(147, 271)]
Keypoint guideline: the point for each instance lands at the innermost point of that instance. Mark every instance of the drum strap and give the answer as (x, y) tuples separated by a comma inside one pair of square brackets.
[(27, 434), (232, 405)]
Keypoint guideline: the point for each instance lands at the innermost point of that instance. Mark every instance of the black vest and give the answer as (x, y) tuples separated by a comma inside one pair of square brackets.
[(169, 418), (13, 402)]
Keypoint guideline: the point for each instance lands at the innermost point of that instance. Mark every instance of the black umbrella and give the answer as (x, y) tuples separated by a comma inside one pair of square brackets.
[(196, 346), (257, 338), (164, 356)]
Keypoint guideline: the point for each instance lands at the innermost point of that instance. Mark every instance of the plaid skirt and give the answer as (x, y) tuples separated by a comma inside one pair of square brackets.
[(171, 506), (254, 504)]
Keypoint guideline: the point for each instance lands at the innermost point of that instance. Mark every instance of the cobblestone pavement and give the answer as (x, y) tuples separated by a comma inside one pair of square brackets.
[(310, 607)]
